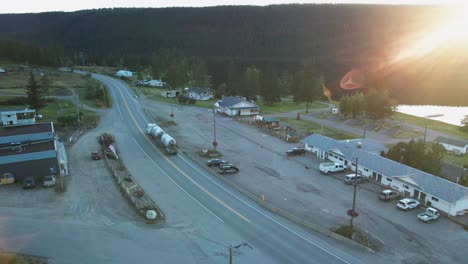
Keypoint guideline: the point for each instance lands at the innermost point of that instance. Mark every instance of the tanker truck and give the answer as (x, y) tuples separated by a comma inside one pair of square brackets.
[(169, 144), (156, 132)]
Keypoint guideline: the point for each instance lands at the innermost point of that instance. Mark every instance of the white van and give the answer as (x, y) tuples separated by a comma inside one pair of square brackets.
[(354, 178)]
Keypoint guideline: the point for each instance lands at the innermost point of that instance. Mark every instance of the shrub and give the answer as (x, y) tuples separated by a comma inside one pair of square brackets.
[(182, 99), (105, 139), (192, 101), (68, 120)]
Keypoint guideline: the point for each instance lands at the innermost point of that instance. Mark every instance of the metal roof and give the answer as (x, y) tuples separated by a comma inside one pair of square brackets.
[(228, 101), (452, 141), (27, 129), (428, 183), (199, 90), (28, 157)]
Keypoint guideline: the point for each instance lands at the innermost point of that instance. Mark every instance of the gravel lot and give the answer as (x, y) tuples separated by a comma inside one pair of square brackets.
[(91, 196), (294, 184)]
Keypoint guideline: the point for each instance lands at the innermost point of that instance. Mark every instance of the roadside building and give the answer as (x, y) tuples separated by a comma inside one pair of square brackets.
[(3, 71), (31, 151), (124, 73), (431, 190), (171, 93), (156, 83), (236, 106), (200, 93), (17, 116), (271, 122), (455, 146)]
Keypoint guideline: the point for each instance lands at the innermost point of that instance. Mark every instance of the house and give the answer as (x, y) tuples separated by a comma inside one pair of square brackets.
[(456, 146), (17, 116), (31, 151), (200, 93), (236, 106), (271, 122), (124, 73), (3, 71), (431, 190), (171, 93), (156, 83)]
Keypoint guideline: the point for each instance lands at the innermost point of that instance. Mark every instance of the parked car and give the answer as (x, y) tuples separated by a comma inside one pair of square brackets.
[(228, 168), (7, 178), (387, 195), (48, 181), (430, 214), (95, 155), (330, 167), (215, 162), (296, 151), (354, 178), (29, 183), (407, 204)]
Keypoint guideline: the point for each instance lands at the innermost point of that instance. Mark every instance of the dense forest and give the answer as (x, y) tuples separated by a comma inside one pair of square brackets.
[(227, 40)]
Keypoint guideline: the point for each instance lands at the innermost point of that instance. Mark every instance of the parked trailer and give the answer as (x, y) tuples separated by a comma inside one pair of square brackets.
[(169, 144)]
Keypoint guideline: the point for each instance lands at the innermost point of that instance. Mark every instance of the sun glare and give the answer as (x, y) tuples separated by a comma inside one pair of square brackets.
[(454, 28)]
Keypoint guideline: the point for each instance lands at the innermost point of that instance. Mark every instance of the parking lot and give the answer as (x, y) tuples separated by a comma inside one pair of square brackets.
[(91, 196), (295, 184)]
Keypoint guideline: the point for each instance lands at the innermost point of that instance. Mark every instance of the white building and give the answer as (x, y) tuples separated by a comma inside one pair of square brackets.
[(235, 106), (431, 190), (200, 93), (156, 83), (124, 73), (456, 146), (17, 117), (171, 93)]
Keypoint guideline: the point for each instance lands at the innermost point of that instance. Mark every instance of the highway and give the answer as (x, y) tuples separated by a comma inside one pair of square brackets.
[(207, 211)]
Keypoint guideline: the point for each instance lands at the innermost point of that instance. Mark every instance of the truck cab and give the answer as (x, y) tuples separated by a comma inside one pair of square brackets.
[(330, 167)]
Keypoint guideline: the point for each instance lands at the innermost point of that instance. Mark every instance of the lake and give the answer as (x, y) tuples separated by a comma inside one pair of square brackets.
[(448, 114)]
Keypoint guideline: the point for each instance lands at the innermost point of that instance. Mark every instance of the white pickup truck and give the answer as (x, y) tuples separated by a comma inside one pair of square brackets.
[(330, 167), (431, 214)]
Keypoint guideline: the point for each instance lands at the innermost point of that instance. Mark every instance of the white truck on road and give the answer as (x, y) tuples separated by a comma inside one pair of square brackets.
[(431, 214), (330, 167)]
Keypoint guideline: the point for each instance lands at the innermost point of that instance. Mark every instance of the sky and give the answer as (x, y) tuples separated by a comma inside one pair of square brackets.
[(36, 6)]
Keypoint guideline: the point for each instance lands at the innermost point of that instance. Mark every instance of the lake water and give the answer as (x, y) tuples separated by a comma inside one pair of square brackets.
[(448, 114)]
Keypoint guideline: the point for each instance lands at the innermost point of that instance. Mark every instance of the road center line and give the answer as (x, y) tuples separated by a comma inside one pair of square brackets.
[(177, 168), (193, 198)]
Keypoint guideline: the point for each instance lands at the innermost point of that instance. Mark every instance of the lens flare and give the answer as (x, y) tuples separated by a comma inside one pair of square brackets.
[(352, 80)]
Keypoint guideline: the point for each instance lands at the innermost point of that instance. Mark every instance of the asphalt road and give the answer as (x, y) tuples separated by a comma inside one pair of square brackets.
[(208, 213)]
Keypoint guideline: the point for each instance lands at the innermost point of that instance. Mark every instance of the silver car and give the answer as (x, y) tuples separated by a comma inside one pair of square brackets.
[(48, 181)]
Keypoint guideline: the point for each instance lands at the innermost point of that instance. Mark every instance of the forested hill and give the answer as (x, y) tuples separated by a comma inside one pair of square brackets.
[(335, 38)]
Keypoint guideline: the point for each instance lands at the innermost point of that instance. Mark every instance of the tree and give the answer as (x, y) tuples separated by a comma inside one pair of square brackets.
[(199, 75), (270, 90), (345, 106), (464, 124), (379, 104), (357, 104), (418, 154), (35, 94), (309, 87), (285, 83), (251, 86)]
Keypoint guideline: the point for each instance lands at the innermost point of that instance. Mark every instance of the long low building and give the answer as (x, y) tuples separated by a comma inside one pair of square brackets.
[(431, 190), (31, 151)]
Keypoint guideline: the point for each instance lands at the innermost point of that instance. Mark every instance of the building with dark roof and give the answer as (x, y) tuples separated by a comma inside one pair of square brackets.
[(431, 190), (17, 116), (30, 151), (236, 106), (457, 146)]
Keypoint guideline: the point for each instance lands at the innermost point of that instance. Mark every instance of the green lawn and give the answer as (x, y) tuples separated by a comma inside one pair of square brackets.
[(457, 160), (312, 127), (288, 106), (431, 124)]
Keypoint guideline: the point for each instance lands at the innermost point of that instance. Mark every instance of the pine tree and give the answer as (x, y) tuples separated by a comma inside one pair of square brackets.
[(35, 94)]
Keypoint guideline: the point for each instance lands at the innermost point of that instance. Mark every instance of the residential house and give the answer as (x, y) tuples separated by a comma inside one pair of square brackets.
[(200, 93), (431, 190), (31, 151), (17, 116), (171, 93), (3, 71), (156, 83), (236, 106), (456, 146), (124, 73)]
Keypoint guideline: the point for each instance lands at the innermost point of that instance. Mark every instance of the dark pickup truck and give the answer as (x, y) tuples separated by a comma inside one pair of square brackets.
[(296, 151)]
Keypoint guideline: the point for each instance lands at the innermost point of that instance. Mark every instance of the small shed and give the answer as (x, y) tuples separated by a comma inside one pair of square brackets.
[(271, 122)]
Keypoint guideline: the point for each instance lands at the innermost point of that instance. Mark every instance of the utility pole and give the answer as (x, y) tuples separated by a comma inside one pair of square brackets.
[(215, 143), (425, 132), (354, 196), (230, 254)]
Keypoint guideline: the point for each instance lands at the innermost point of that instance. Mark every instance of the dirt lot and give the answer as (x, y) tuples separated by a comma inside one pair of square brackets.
[(294, 184), (91, 196)]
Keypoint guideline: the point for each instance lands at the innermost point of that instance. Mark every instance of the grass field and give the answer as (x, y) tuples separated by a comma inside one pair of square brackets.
[(459, 161), (312, 127), (407, 134), (288, 106), (431, 124)]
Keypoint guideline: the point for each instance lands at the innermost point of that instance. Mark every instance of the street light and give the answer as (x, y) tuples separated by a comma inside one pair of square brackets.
[(215, 143), (425, 124)]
